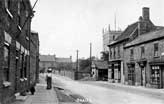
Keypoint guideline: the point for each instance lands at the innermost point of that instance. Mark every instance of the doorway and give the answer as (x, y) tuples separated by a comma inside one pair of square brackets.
[(143, 79), (16, 76)]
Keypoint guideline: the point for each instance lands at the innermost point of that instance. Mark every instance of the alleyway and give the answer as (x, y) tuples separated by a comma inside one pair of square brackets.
[(98, 94)]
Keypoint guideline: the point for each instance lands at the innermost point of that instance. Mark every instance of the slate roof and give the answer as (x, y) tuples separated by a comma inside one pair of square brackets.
[(147, 37), (47, 58), (101, 64), (126, 33), (64, 60)]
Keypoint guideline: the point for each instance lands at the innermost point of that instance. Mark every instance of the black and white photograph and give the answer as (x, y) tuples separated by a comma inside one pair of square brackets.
[(81, 51)]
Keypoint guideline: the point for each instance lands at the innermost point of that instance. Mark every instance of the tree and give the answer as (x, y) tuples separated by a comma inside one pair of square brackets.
[(84, 63), (105, 55)]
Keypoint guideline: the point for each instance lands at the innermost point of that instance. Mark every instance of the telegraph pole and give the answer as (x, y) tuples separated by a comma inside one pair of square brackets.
[(77, 63), (90, 57)]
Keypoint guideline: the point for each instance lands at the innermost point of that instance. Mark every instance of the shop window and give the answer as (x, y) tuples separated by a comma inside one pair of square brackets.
[(142, 52), (131, 74), (156, 50), (155, 75), (6, 63)]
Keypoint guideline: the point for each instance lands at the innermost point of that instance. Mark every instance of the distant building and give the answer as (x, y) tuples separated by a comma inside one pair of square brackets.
[(108, 36), (46, 61), (100, 70), (51, 61)]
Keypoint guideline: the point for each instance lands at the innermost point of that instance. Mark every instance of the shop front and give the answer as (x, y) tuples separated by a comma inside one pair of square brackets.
[(157, 74), (131, 73), (114, 71), (111, 72)]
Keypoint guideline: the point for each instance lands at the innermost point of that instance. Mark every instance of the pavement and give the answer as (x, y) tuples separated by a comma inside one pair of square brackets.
[(41, 96)]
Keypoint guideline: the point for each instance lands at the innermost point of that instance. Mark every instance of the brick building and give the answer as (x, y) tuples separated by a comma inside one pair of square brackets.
[(144, 61), (51, 61), (15, 51), (116, 48)]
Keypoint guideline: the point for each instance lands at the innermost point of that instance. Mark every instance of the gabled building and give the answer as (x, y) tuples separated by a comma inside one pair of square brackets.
[(116, 71), (100, 70), (46, 61), (51, 61)]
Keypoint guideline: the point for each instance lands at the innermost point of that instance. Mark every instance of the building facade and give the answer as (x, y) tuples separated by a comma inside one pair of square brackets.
[(15, 31), (144, 60), (116, 48)]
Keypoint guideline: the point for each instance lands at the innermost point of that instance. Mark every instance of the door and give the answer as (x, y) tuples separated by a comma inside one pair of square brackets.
[(143, 76), (16, 76)]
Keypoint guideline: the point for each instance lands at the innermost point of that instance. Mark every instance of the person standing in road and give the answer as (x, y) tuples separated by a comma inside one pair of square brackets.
[(49, 78)]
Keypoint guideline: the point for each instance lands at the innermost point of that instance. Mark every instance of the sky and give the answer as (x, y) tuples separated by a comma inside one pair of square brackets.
[(65, 26)]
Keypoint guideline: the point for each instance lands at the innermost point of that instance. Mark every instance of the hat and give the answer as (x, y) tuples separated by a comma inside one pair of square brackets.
[(49, 70)]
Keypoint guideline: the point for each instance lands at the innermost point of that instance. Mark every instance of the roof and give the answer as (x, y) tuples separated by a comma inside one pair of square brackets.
[(147, 37), (126, 33), (47, 58), (101, 64), (64, 60)]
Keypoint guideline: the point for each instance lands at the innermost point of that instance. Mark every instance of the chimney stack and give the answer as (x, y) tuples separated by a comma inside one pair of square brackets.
[(145, 13)]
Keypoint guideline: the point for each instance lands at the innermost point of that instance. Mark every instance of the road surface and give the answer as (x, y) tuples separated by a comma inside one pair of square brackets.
[(104, 95)]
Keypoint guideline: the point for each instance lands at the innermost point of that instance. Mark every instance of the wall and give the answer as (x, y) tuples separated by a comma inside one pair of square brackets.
[(149, 55)]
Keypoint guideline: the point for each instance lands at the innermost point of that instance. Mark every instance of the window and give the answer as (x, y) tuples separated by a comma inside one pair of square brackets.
[(131, 54), (110, 53), (22, 65), (131, 74), (6, 63), (25, 66), (114, 53), (156, 50), (142, 52), (119, 52), (113, 37), (155, 75)]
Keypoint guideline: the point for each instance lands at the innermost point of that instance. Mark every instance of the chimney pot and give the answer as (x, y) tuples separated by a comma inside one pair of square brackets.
[(145, 13)]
